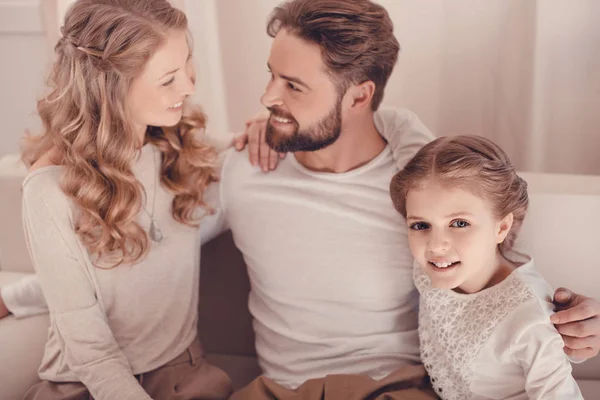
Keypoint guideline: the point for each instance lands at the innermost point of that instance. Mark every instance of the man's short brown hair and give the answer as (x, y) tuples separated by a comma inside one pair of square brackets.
[(356, 38)]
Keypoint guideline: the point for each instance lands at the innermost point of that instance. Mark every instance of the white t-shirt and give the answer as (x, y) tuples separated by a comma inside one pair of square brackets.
[(498, 343), (328, 261)]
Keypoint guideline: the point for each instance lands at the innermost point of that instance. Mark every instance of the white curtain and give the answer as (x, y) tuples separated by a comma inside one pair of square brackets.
[(525, 73)]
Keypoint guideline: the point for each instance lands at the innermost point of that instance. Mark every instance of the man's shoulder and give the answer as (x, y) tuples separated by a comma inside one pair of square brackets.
[(403, 122), (235, 166), (234, 160), (404, 131)]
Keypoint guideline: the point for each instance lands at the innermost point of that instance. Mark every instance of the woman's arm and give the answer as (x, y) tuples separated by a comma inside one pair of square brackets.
[(90, 348)]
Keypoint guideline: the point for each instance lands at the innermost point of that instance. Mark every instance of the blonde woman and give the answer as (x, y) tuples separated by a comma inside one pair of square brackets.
[(111, 208)]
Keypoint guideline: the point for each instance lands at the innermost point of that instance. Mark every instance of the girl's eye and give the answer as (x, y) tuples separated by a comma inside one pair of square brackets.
[(169, 82), (293, 87), (419, 226), (459, 223)]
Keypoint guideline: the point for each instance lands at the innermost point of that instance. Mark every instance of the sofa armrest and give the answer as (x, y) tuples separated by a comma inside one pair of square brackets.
[(14, 255)]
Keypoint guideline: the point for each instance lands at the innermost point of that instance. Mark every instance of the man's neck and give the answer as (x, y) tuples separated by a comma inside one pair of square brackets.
[(359, 143)]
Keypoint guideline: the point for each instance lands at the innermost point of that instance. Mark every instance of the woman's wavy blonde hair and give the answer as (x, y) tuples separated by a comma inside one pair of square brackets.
[(105, 44)]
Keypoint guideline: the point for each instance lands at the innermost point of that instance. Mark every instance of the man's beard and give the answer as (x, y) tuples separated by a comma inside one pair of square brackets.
[(316, 137)]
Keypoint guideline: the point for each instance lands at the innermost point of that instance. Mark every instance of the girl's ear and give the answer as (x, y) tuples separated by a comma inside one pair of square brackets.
[(503, 227)]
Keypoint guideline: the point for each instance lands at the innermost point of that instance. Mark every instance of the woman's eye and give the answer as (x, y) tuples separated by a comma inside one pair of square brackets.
[(169, 81), (293, 87)]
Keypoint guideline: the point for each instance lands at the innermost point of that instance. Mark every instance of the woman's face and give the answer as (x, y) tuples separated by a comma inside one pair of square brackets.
[(156, 95)]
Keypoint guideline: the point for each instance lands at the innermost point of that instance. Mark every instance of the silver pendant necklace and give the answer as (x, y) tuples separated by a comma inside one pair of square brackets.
[(154, 232)]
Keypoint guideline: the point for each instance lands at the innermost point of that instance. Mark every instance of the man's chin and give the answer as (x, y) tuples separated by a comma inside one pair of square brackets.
[(280, 146)]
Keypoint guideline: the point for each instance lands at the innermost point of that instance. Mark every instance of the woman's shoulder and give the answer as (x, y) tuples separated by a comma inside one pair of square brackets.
[(42, 180), (42, 191)]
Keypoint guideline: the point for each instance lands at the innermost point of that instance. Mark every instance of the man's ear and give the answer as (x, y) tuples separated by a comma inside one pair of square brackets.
[(362, 94)]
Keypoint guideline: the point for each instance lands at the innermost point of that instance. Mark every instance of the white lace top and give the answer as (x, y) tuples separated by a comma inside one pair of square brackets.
[(495, 344)]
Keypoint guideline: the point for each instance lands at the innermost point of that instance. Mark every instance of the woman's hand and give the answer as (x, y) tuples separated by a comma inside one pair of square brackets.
[(254, 136)]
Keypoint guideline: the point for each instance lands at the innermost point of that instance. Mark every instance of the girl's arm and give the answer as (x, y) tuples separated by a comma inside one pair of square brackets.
[(538, 349)]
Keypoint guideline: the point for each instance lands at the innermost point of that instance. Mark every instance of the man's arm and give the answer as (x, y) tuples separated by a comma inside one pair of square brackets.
[(404, 132), (578, 321)]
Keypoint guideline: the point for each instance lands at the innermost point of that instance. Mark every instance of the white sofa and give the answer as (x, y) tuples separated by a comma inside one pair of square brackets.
[(561, 231)]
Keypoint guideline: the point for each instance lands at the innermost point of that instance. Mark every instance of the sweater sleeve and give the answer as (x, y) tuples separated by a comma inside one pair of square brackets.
[(90, 348), (24, 297)]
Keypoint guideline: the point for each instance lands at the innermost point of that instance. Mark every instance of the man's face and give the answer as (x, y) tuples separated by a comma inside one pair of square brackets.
[(306, 108)]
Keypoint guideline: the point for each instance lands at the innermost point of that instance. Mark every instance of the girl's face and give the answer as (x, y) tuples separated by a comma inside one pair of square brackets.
[(156, 95), (453, 235)]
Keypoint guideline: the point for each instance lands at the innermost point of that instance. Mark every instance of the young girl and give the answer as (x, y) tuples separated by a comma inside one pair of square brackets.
[(484, 311), (110, 208)]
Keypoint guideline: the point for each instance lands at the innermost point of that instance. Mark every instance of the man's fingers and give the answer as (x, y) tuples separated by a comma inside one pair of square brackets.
[(583, 354), (584, 310), (579, 329), (575, 343), (563, 296)]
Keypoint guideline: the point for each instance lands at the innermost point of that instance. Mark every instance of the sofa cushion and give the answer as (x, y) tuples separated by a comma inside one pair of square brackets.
[(21, 348), (13, 249)]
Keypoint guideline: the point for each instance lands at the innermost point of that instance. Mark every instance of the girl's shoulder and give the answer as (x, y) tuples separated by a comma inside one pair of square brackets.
[(541, 303)]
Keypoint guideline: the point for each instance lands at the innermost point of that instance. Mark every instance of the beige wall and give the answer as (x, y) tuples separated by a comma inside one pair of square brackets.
[(23, 64)]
